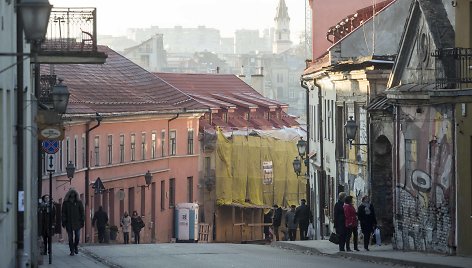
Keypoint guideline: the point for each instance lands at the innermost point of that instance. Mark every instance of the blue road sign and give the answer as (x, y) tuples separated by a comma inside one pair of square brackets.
[(50, 146)]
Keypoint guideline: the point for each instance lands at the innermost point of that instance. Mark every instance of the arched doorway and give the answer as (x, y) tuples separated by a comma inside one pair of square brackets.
[(381, 185)]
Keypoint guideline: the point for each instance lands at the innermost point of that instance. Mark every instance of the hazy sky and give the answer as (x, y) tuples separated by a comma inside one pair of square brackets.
[(115, 16)]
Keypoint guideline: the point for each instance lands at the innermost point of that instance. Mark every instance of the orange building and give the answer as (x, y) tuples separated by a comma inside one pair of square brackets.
[(122, 122)]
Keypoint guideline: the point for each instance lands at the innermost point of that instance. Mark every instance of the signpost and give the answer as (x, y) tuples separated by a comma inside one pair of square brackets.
[(50, 147)]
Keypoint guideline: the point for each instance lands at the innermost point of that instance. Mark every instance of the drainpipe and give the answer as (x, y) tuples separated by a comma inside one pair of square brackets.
[(168, 159), (322, 169), (98, 118)]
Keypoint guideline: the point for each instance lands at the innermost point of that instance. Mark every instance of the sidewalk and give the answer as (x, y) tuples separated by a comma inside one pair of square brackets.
[(60, 258), (384, 253)]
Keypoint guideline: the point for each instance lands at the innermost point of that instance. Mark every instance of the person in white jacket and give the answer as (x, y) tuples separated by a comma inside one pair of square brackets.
[(126, 227)]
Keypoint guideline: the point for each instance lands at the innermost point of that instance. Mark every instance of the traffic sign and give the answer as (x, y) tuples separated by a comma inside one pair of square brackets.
[(50, 146)]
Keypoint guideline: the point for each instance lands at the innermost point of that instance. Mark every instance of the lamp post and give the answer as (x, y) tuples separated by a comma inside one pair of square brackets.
[(302, 148), (351, 129), (32, 17)]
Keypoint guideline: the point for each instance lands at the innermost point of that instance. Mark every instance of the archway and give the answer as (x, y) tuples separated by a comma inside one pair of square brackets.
[(381, 185)]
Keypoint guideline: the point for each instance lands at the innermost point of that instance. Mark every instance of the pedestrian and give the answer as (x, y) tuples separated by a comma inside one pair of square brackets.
[(73, 218), (291, 224), (101, 218), (267, 221), (136, 224), (276, 221), (339, 220), (44, 231), (126, 226), (351, 223), (367, 219), (303, 217)]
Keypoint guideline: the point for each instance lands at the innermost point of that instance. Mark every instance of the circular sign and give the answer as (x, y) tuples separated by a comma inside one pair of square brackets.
[(50, 146), (51, 133)]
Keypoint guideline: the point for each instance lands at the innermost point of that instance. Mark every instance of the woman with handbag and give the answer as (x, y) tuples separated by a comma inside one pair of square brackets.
[(367, 219), (351, 223), (136, 224)]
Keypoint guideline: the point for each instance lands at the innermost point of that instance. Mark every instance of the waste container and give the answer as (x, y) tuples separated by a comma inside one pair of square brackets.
[(186, 222)]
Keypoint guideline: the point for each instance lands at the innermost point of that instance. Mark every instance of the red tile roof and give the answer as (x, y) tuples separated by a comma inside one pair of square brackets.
[(228, 90), (119, 86)]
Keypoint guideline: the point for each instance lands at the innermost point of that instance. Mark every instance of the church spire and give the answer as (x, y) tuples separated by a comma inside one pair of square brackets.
[(281, 40)]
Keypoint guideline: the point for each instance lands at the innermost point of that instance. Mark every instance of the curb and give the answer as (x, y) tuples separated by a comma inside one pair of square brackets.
[(362, 257), (98, 258)]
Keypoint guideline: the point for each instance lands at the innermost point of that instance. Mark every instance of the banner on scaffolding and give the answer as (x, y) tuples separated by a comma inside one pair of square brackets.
[(267, 172)]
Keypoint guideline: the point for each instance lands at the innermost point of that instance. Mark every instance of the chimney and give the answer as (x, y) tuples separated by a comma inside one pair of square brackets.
[(257, 80)]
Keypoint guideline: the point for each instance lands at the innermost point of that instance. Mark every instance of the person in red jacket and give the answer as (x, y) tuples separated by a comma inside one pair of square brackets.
[(351, 223)]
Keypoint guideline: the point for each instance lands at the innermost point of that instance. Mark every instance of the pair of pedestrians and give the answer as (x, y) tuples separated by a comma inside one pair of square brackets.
[(135, 223), (346, 221)]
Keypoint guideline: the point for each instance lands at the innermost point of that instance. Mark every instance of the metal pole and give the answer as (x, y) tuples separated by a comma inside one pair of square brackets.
[(50, 208)]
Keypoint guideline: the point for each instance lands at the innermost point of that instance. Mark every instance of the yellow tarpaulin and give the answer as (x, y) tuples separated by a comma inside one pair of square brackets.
[(240, 172)]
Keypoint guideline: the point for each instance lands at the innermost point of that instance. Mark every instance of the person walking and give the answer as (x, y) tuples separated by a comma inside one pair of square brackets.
[(351, 223), (126, 226), (303, 217), (339, 221), (291, 224), (276, 221), (44, 231), (267, 220), (136, 224), (73, 218), (101, 218), (367, 219)]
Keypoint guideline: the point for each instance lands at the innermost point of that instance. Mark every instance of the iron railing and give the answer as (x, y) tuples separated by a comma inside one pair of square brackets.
[(453, 68), (71, 29)]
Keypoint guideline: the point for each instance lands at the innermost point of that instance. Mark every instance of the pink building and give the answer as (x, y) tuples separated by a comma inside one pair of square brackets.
[(325, 14), (122, 122)]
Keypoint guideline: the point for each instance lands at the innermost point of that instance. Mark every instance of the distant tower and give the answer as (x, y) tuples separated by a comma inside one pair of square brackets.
[(281, 41)]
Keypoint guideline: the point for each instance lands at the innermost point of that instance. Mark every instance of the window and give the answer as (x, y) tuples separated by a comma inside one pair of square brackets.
[(225, 117), (67, 150), (163, 195), (84, 161), (153, 145), (171, 193), (172, 142), (133, 147), (246, 116), (143, 146), (96, 150), (190, 142), (190, 189), (110, 149), (61, 156), (122, 148), (163, 143)]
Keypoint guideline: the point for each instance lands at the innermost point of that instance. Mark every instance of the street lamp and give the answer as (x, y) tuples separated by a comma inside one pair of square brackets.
[(351, 129), (60, 97), (148, 178), (35, 18), (301, 147), (70, 169), (297, 166)]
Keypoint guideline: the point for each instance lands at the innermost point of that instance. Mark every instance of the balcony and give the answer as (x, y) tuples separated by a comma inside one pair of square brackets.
[(453, 68), (71, 38)]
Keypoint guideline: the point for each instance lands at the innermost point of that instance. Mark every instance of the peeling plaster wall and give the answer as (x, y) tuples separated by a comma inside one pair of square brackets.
[(424, 190)]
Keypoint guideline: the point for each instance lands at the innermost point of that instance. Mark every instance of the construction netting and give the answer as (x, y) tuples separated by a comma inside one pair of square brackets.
[(256, 168)]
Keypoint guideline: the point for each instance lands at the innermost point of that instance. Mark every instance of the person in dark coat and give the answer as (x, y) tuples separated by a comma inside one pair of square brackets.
[(101, 218), (44, 231), (267, 219), (73, 218), (303, 216), (276, 221), (351, 223), (339, 221), (366, 215), (136, 224)]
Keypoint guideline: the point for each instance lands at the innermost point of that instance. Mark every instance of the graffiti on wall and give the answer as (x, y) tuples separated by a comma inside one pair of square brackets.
[(423, 193)]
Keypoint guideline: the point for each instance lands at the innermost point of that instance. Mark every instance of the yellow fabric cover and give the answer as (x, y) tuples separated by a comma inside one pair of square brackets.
[(239, 173)]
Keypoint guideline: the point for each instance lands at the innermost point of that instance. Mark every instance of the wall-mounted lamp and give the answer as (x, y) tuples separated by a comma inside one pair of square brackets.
[(297, 166), (70, 170), (351, 129), (148, 178)]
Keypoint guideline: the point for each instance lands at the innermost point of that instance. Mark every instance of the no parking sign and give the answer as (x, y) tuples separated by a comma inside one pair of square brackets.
[(50, 146)]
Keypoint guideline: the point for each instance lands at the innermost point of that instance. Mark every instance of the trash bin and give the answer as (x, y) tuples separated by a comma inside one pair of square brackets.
[(186, 222)]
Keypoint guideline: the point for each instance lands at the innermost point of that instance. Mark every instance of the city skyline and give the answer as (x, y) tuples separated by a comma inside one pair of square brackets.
[(114, 17)]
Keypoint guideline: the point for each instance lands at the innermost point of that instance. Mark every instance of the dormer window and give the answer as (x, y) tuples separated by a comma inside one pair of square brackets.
[(266, 115), (225, 117), (246, 116)]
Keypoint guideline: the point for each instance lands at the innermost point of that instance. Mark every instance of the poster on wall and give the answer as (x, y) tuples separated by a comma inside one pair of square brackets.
[(267, 172)]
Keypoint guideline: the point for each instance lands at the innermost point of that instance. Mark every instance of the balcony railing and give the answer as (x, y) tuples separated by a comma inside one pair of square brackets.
[(453, 68), (71, 30)]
